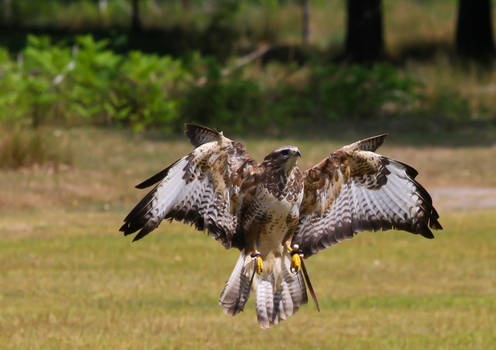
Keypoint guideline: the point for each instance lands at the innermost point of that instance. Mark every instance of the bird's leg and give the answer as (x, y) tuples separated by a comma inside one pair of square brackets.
[(297, 264), (296, 257), (257, 258)]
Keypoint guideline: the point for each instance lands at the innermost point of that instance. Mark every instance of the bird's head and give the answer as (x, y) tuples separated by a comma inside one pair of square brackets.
[(283, 157)]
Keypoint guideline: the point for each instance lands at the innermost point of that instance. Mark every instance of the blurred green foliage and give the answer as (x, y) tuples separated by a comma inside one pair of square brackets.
[(88, 84), (231, 102), (91, 84)]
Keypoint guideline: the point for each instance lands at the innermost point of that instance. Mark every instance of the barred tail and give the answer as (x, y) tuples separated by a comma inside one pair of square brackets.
[(279, 293), (237, 289)]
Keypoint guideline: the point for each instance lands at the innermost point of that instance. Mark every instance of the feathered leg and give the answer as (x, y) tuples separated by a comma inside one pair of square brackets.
[(279, 292)]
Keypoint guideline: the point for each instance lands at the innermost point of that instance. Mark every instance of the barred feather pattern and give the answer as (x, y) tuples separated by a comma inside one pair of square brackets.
[(196, 189), (199, 135), (250, 206), (362, 191), (237, 289), (279, 294)]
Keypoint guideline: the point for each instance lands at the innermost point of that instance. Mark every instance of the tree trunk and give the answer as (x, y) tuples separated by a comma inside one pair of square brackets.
[(364, 37), (305, 27), (136, 23), (474, 30), (7, 11)]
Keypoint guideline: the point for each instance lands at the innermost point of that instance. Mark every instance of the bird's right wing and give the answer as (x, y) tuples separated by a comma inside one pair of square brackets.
[(202, 188)]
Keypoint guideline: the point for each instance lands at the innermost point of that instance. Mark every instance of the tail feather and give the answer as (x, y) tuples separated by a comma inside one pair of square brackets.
[(264, 294), (237, 289), (295, 286), (279, 294)]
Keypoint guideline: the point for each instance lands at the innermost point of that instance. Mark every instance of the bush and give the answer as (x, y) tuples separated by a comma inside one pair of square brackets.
[(91, 84), (230, 102), (357, 92), (148, 93), (28, 93)]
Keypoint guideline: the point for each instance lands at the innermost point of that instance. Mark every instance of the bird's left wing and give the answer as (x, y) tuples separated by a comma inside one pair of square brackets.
[(202, 188), (355, 190)]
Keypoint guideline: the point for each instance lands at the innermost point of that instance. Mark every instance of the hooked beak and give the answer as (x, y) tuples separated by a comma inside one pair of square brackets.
[(297, 152)]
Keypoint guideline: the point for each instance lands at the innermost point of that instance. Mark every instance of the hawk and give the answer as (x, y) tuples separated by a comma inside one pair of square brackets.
[(277, 215)]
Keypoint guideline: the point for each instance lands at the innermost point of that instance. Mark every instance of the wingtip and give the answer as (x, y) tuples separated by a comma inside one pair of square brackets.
[(371, 143), (191, 127), (199, 134), (428, 235), (436, 225), (144, 231), (125, 229)]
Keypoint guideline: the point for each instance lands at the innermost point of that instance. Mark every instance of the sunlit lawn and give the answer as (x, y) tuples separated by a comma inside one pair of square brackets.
[(69, 280)]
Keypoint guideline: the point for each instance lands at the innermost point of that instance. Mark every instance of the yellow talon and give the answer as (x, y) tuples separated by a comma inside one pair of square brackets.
[(295, 262), (258, 261), (259, 265), (295, 257)]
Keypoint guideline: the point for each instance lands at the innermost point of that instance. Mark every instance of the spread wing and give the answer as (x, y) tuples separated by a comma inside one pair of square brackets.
[(202, 188), (355, 190)]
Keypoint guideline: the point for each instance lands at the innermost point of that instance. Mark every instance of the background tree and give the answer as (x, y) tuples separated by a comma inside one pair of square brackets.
[(305, 21), (7, 11), (364, 36), (135, 22), (474, 30)]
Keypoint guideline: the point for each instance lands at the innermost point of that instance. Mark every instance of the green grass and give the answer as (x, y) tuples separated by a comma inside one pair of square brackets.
[(68, 279)]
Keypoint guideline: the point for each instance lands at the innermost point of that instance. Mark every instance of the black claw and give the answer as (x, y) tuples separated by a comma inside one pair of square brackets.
[(255, 254)]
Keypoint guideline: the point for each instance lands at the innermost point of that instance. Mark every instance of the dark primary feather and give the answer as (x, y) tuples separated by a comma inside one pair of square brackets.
[(155, 178), (353, 191), (371, 144), (137, 218), (198, 135), (200, 188)]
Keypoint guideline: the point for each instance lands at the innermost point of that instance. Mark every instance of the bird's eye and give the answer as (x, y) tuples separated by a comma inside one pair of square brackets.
[(285, 152)]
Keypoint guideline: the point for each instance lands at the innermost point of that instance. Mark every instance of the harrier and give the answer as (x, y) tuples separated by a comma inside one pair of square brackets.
[(277, 215)]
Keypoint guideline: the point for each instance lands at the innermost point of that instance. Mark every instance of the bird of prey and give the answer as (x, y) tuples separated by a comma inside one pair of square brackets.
[(277, 215)]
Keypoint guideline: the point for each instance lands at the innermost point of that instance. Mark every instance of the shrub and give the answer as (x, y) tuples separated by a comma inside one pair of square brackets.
[(229, 102), (92, 84), (88, 85), (148, 93), (30, 87), (358, 92)]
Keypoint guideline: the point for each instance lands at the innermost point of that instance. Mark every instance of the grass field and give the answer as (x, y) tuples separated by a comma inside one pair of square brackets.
[(69, 280)]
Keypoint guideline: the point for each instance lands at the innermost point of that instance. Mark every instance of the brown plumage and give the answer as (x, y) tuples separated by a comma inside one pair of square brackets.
[(267, 207)]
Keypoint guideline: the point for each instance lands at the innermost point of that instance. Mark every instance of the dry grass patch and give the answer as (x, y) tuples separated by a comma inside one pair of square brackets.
[(20, 147), (108, 164)]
